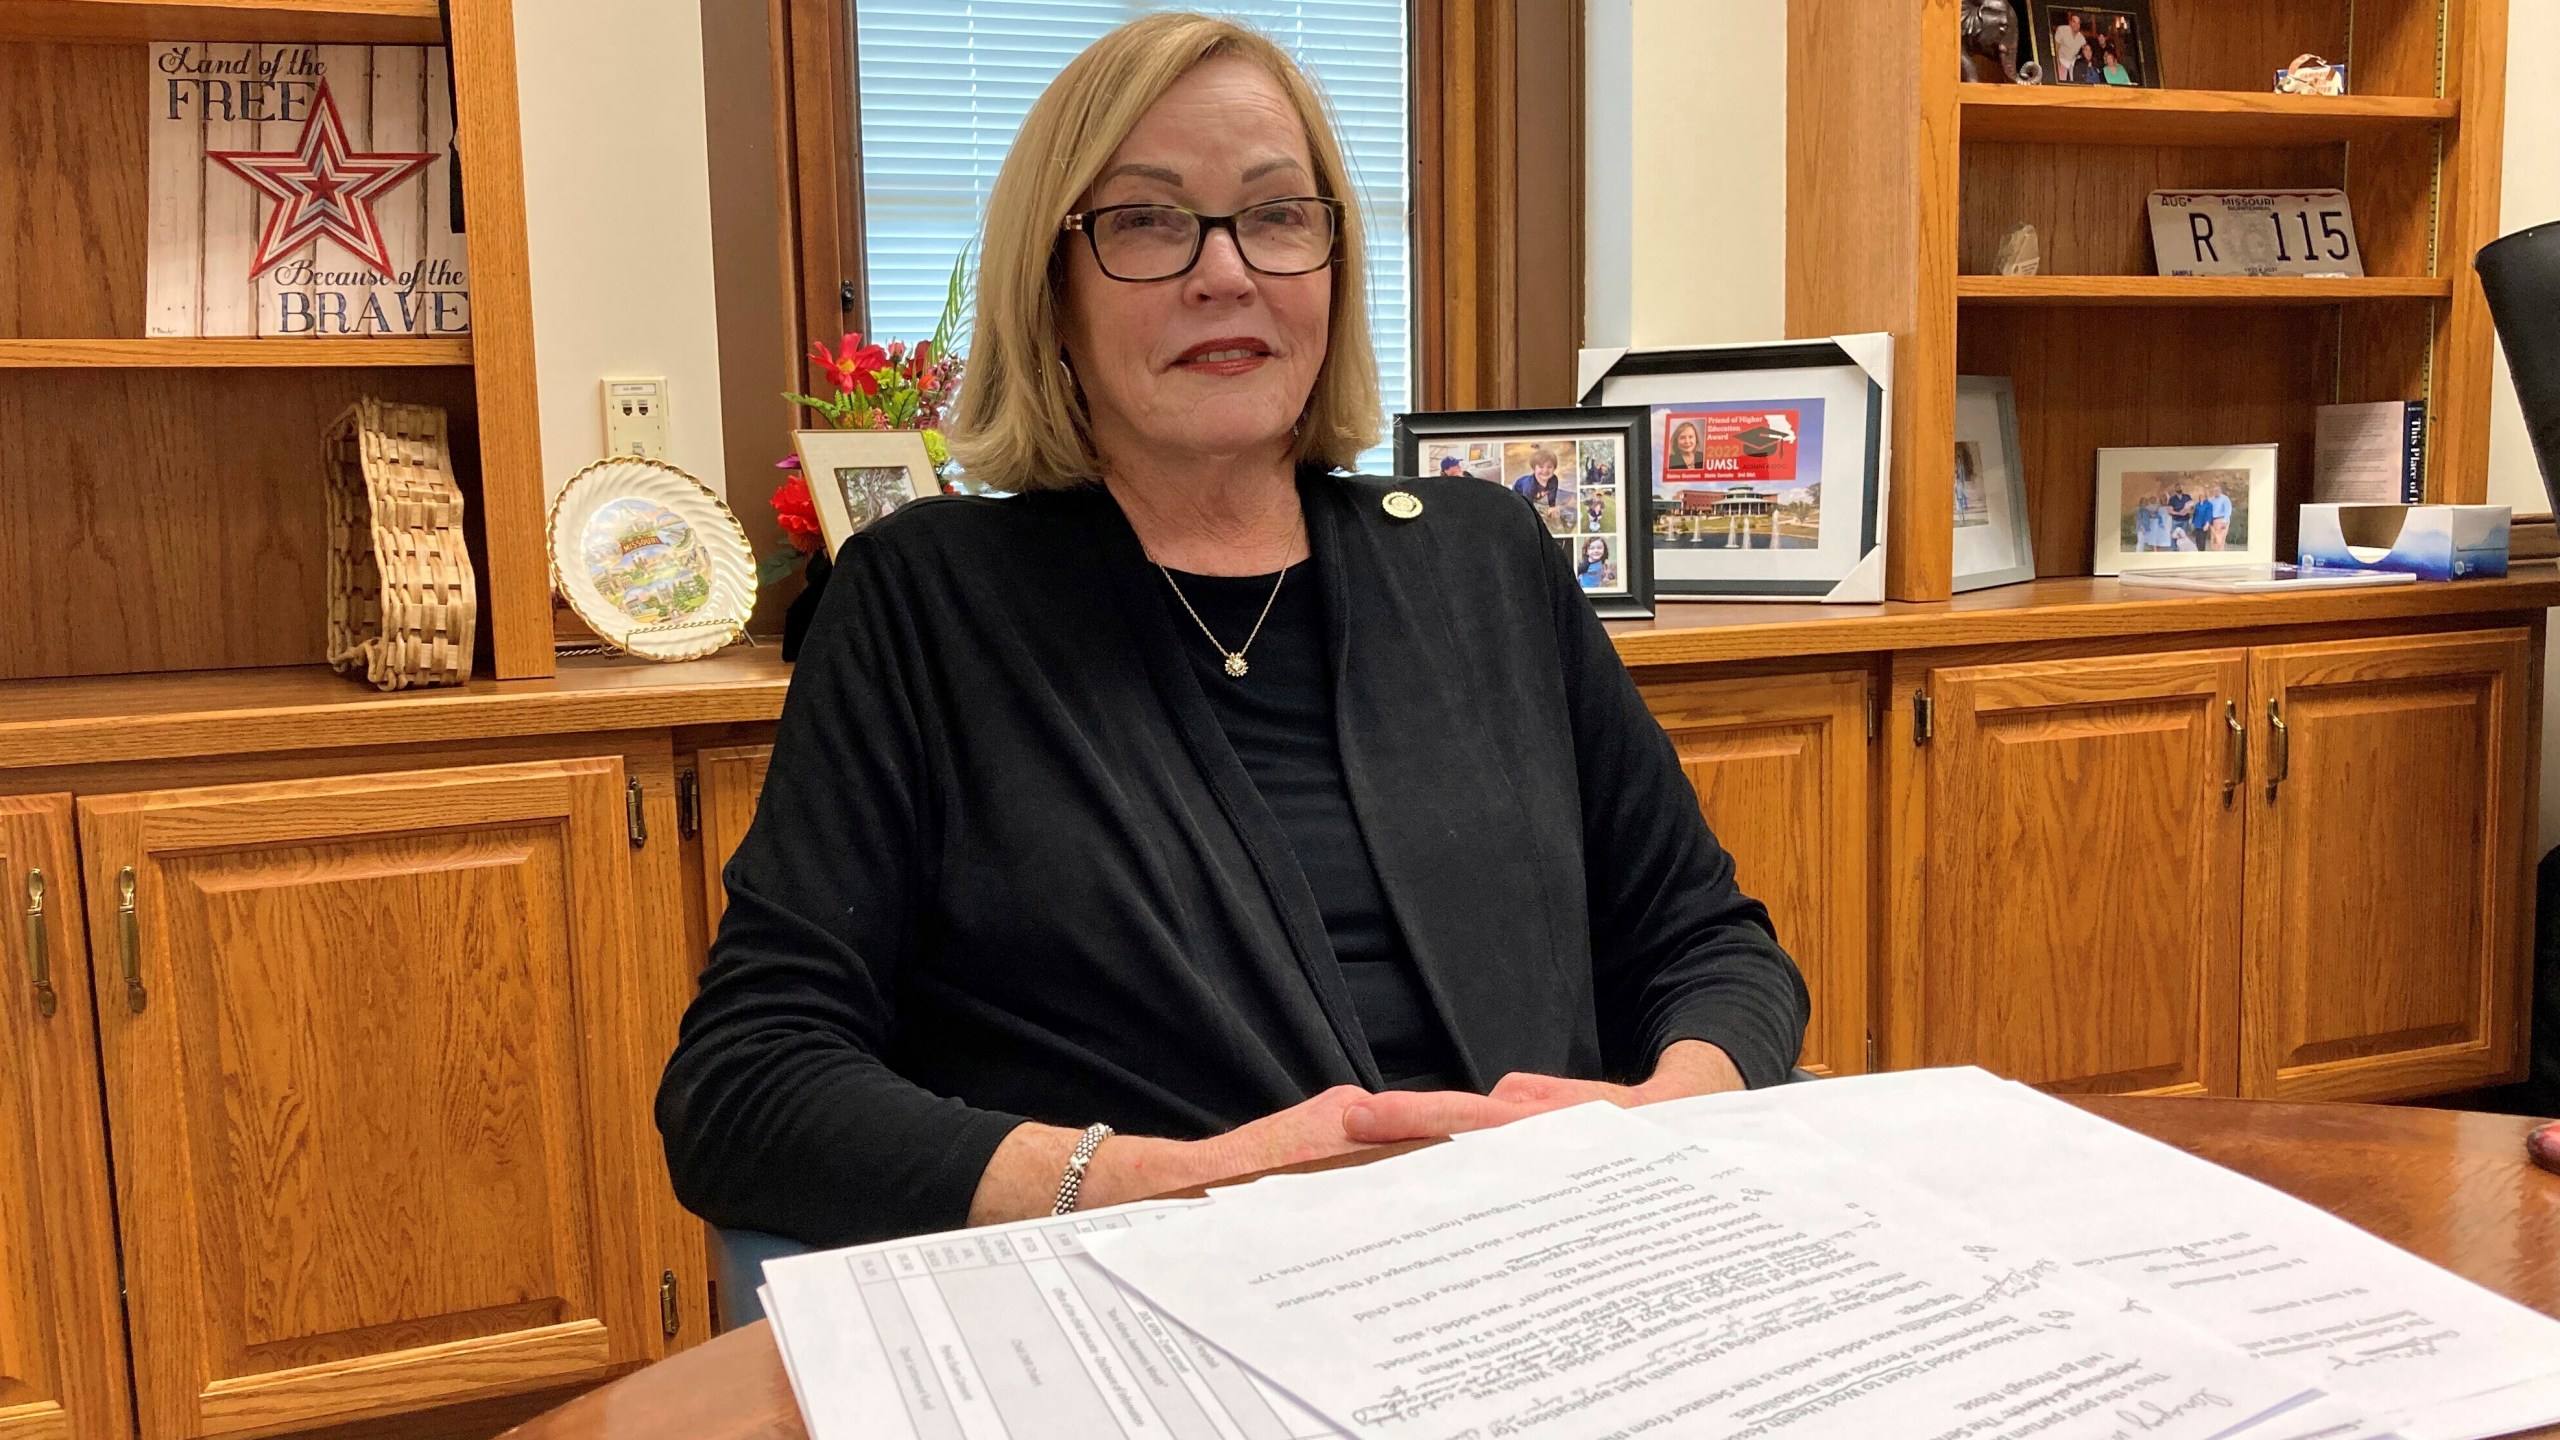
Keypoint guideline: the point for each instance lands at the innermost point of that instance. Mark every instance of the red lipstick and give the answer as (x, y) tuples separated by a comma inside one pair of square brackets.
[(1226, 355)]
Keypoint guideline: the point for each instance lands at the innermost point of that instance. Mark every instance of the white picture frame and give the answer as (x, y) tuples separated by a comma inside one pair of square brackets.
[(1827, 405), (851, 481), (2147, 500), (1994, 543)]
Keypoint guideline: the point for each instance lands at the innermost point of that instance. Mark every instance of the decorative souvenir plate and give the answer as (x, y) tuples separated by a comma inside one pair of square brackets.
[(651, 559)]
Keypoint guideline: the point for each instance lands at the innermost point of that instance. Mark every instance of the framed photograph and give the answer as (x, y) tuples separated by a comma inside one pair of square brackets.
[(2109, 44), (2176, 507), (1994, 544), (1580, 467), (858, 476), (1767, 465)]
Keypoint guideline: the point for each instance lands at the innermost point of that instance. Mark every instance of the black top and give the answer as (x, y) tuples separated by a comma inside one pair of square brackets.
[(1279, 718), (1008, 866)]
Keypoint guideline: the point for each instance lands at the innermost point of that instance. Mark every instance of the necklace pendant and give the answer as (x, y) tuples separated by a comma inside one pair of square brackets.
[(1235, 666)]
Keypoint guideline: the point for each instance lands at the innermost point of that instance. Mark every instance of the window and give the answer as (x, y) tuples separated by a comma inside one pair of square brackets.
[(945, 84)]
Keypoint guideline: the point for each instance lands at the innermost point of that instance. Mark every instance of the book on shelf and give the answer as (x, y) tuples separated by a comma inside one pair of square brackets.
[(2374, 454)]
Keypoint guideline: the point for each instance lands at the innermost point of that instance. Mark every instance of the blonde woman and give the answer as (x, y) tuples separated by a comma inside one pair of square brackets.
[(1199, 809)]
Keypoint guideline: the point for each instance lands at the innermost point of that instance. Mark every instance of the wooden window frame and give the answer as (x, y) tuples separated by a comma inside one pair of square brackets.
[(1497, 281)]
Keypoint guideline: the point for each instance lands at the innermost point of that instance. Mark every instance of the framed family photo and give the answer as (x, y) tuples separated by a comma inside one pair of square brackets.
[(856, 477), (1994, 543), (1767, 465), (1581, 470), (2113, 43), (2176, 507)]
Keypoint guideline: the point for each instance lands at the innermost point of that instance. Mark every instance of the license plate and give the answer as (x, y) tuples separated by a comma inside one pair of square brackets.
[(2254, 232)]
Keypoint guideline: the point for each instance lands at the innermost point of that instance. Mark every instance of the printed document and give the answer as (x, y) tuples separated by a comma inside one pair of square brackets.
[(2436, 1356), (1587, 1274), (1009, 1331)]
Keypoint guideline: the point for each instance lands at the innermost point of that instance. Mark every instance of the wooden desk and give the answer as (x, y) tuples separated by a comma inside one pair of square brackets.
[(2451, 1186)]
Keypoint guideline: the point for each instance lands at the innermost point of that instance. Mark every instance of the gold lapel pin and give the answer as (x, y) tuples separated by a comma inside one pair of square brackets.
[(1402, 504)]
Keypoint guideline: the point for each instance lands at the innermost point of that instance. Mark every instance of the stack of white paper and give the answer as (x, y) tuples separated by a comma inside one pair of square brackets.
[(1938, 1254)]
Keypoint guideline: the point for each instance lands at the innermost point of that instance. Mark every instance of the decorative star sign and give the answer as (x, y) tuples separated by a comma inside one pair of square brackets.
[(323, 187)]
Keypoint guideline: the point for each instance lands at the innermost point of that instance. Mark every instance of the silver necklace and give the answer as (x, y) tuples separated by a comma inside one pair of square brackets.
[(1235, 665)]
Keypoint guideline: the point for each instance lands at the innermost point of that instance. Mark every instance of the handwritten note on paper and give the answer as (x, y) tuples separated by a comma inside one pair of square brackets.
[(1586, 1274), (1007, 1333), (2431, 1353)]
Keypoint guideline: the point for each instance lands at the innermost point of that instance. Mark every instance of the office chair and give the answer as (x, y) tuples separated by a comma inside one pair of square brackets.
[(2520, 275)]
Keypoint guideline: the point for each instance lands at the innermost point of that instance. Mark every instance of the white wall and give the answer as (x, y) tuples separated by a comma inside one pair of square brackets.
[(1693, 95), (618, 206)]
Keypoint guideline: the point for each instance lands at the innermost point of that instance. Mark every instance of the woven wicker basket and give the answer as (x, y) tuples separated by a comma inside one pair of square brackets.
[(403, 600)]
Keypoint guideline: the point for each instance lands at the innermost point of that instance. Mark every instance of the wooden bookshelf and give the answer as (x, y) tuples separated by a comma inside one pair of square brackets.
[(2192, 290), (2109, 115), (169, 507), (230, 354), (342, 22), (1900, 186)]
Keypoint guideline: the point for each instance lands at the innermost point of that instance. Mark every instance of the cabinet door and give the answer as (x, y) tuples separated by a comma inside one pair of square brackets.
[(2079, 861), (730, 780), (1781, 770), (61, 1332), (2386, 863), (381, 1129)]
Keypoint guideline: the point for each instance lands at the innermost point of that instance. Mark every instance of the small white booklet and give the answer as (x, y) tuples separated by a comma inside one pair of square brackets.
[(2258, 579)]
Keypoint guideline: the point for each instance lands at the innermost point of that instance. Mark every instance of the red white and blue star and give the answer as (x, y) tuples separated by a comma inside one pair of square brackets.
[(323, 188)]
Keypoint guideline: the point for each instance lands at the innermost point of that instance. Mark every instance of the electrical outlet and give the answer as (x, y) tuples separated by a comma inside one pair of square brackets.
[(635, 417)]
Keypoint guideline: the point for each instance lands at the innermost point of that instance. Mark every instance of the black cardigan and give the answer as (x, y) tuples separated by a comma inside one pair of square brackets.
[(1007, 867)]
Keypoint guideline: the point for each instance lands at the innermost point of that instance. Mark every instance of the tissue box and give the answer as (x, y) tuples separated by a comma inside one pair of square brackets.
[(2432, 542)]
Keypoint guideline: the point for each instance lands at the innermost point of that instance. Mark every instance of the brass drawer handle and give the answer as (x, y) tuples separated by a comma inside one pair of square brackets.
[(129, 935), (2237, 774), (39, 964), (2282, 764)]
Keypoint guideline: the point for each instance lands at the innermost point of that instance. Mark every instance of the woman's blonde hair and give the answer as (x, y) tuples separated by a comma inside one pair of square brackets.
[(1021, 424)]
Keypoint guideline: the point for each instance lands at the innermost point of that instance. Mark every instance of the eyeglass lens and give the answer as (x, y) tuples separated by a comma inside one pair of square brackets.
[(1157, 242)]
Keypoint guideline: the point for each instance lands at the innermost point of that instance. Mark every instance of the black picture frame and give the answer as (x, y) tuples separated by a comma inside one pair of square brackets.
[(1727, 360), (2043, 16), (1504, 431)]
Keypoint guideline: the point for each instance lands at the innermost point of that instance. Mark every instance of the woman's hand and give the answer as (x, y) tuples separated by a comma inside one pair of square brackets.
[(1022, 1178), (1686, 1067), (1338, 1121)]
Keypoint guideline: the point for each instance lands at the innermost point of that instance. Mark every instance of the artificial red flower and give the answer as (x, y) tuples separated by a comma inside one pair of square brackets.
[(832, 367), (798, 515), (852, 365)]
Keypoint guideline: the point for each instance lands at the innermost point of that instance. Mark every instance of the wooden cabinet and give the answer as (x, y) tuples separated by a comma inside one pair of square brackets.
[(61, 1332), (727, 781), (375, 1076), (1781, 768), (2289, 870), (2068, 873), (2386, 856)]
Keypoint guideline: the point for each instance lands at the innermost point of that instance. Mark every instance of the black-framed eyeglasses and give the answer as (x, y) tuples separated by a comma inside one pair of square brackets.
[(1293, 235)]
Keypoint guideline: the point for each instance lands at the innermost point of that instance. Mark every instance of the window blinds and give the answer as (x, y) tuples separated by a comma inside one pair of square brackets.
[(945, 84)]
